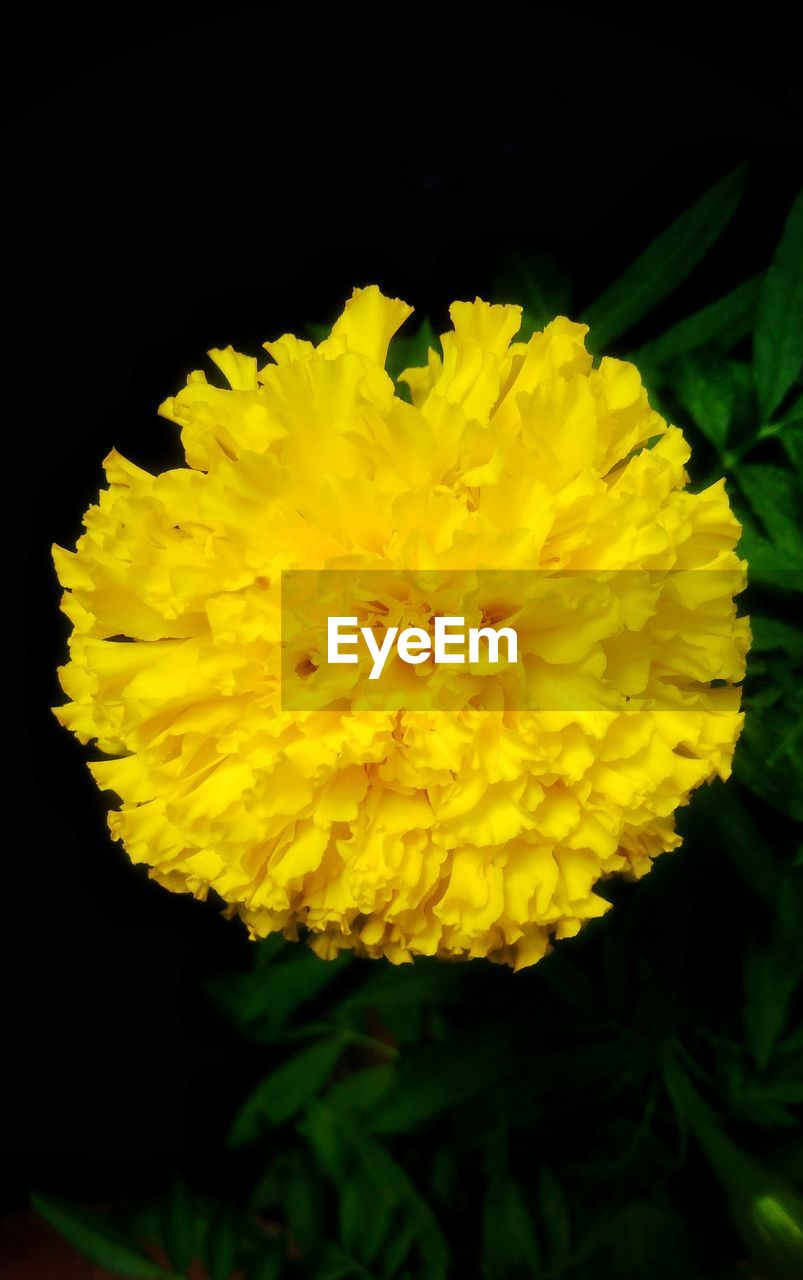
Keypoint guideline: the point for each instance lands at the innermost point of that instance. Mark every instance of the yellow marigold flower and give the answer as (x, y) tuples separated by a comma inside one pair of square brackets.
[(468, 832)]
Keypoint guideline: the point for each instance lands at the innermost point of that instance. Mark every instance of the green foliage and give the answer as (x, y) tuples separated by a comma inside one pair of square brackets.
[(178, 1227), (706, 387), (285, 1091), (411, 351), (100, 1239), (539, 285), (779, 328), (262, 1003), (630, 1107), (720, 325), (664, 264)]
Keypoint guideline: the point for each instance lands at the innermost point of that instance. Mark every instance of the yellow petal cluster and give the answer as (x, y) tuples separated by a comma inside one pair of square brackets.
[(397, 833)]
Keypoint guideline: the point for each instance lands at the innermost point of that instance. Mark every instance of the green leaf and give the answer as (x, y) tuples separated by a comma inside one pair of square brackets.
[(439, 1077), (95, 1237), (555, 1216), (538, 285), (775, 553), (705, 388), (778, 347), (284, 978), (766, 1105), (741, 839), (774, 494), (178, 1225), (317, 331), (303, 1202), (356, 1148), (792, 441), (268, 1265), (665, 263), (220, 1250), (337, 1264), (569, 981), (398, 1249), (765, 1210), (653, 1243), (381, 1166), (769, 565), (401, 998), (322, 1129), (366, 1214), (770, 980), (509, 1239), (722, 324), (411, 351), (789, 430), (771, 633), (361, 1092), (769, 757), (285, 1091)]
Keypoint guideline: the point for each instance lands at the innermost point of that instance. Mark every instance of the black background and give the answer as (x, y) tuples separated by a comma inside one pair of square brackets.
[(173, 184)]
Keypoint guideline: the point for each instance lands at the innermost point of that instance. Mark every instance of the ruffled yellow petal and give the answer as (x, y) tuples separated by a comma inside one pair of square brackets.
[(395, 832)]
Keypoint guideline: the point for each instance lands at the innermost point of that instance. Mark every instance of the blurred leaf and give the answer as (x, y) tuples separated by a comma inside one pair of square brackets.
[(268, 1265), (322, 1129), (774, 556), (380, 1165), (767, 1105), (705, 388), (741, 839), (286, 1090), (769, 982), (220, 1251), (555, 1216), (303, 1202), (402, 1242), (401, 998), (179, 1225), (772, 633), (721, 324), (445, 1173), (439, 1077), (359, 1093), (769, 757), (510, 1243), (653, 1243), (666, 262), (284, 978), (774, 495), (318, 331), (540, 287), (410, 351), (366, 1214), (569, 982), (789, 430), (337, 1264), (95, 1237), (779, 326), (357, 1148), (768, 563), (787, 1157), (765, 1211)]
